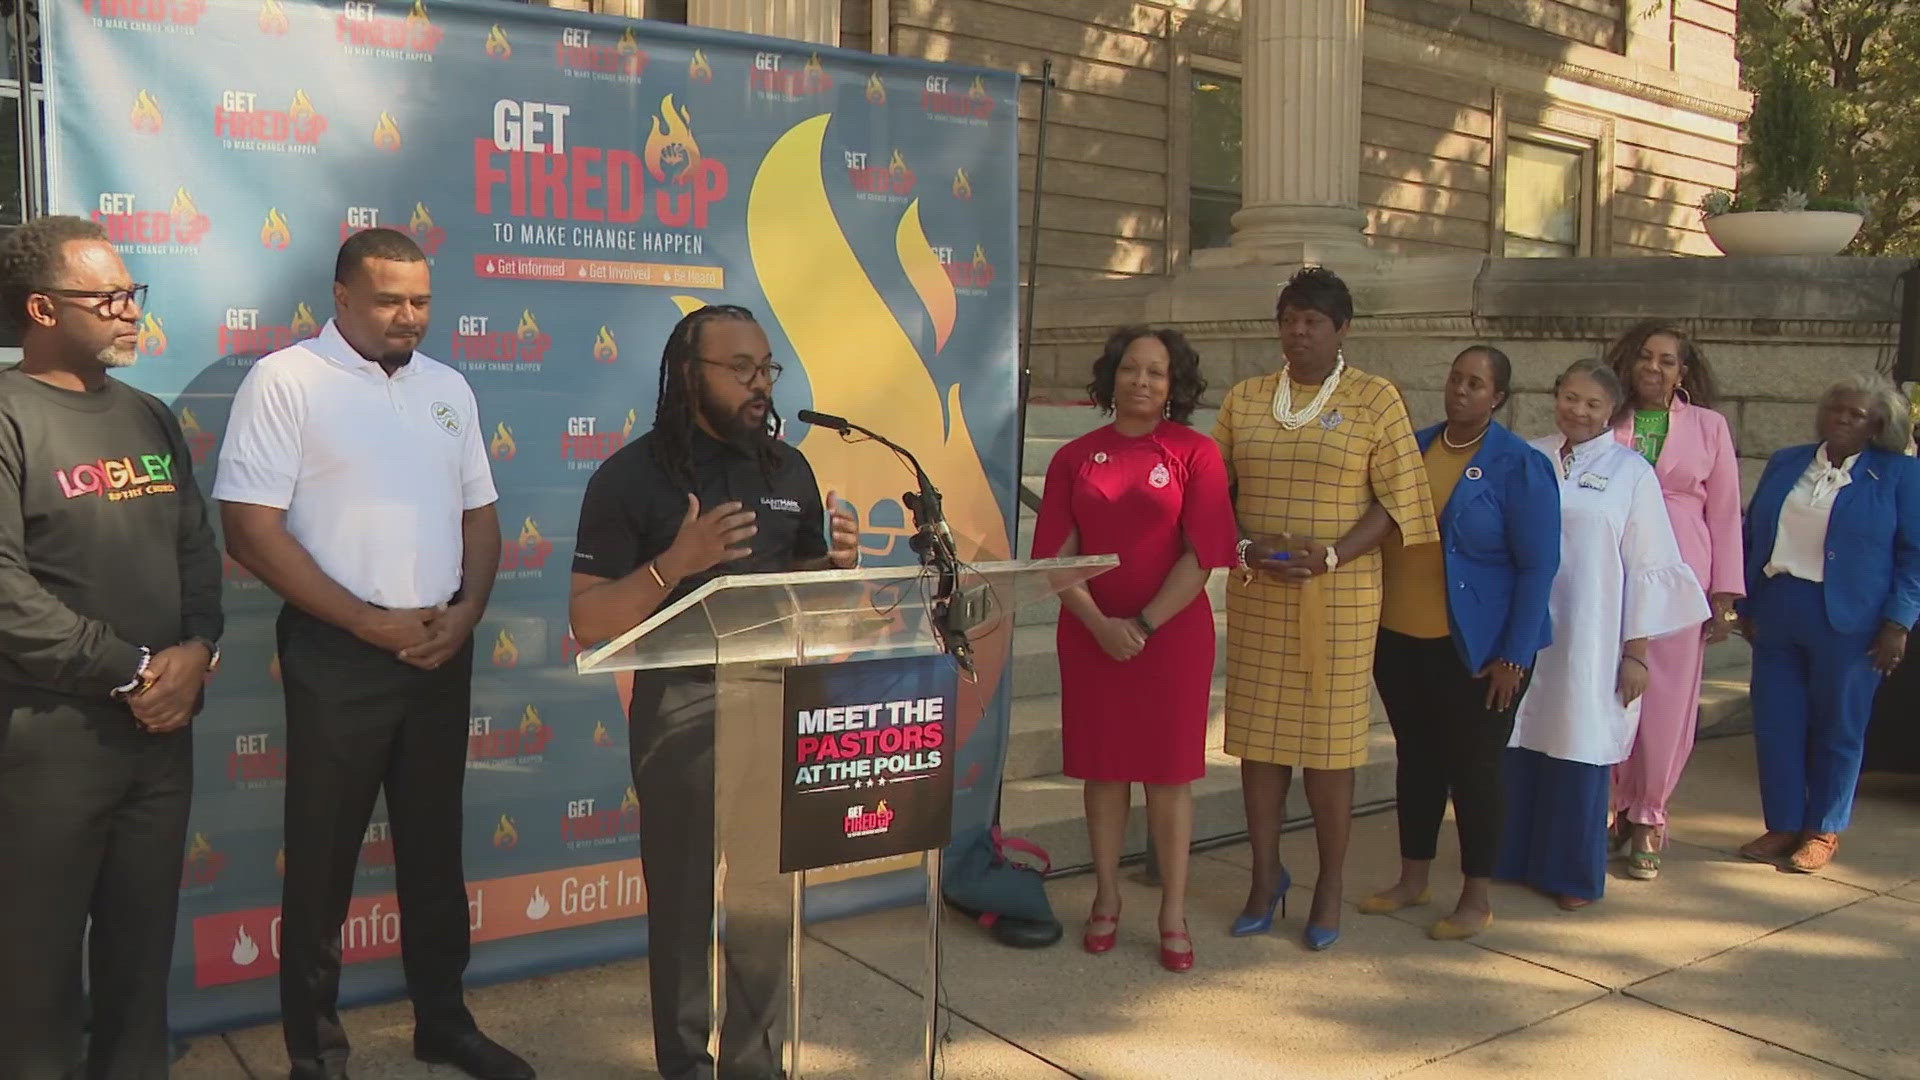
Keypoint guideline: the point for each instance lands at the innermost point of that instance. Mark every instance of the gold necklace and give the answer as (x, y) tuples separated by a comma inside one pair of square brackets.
[(1451, 445)]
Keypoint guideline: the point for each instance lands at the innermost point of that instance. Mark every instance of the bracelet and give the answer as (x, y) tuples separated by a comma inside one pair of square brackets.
[(1635, 659), (1145, 626), (654, 569)]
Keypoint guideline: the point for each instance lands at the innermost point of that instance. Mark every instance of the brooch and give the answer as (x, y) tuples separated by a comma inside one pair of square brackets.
[(1474, 473), (1160, 477), (1594, 481), (1332, 420), (1100, 458)]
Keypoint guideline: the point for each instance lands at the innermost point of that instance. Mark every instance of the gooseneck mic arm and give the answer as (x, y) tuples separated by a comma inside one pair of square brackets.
[(932, 539)]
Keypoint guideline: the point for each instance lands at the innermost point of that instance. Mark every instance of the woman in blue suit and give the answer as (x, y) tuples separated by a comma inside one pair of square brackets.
[(1833, 586), (1459, 627)]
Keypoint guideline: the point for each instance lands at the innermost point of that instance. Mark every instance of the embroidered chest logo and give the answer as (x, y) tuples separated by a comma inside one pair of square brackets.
[(786, 506), (119, 479), (448, 420), (1159, 477)]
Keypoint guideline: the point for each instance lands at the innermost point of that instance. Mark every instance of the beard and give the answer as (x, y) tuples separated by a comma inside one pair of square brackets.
[(737, 427), (113, 356)]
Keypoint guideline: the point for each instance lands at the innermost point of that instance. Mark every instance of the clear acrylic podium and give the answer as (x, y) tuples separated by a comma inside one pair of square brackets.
[(750, 628)]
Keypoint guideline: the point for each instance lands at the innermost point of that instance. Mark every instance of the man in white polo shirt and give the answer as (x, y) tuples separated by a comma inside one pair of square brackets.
[(354, 482)]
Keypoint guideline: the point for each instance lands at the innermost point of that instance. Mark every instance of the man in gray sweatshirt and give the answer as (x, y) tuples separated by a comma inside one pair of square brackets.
[(109, 624)]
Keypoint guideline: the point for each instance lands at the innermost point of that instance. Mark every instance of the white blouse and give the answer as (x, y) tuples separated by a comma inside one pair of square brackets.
[(1621, 577), (1800, 541)]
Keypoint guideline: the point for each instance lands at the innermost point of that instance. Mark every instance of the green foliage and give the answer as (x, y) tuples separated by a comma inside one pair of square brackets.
[(1853, 67)]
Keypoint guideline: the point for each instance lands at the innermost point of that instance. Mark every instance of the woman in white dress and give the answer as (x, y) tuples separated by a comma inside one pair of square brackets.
[(1621, 583)]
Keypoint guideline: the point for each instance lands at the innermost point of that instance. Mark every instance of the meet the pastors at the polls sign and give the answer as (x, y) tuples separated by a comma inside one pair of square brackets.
[(579, 182)]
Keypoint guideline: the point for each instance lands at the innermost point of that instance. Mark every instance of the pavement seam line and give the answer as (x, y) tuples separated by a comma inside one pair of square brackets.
[(952, 1012), (1497, 1036), (226, 1040), (1738, 858), (1751, 941), (1795, 1051)]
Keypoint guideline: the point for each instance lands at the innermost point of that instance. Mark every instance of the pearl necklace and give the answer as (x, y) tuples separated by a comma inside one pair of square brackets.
[(1283, 396), (1451, 445)]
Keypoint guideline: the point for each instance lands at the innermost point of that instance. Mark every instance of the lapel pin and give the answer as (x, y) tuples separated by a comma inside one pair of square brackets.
[(1474, 473)]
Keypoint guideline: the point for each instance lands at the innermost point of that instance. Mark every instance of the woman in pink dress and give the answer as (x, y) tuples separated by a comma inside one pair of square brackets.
[(1669, 419), (1136, 643)]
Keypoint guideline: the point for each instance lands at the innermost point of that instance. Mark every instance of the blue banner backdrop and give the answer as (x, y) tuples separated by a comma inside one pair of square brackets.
[(579, 182)]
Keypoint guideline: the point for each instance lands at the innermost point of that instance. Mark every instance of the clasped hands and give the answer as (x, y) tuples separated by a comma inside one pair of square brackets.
[(175, 679), (1287, 557)]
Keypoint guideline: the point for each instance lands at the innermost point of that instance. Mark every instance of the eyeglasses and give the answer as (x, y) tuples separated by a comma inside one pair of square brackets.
[(748, 373), (108, 304)]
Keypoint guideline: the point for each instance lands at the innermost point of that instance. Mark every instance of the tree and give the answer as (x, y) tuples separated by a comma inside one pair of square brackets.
[(1863, 57)]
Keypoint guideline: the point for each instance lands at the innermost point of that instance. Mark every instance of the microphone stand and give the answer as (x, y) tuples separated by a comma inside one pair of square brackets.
[(932, 539)]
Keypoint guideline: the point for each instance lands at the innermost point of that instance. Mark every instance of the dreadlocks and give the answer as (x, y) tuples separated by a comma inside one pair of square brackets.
[(673, 416)]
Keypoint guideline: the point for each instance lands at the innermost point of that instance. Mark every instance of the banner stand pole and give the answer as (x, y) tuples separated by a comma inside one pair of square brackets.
[(793, 972), (1045, 79)]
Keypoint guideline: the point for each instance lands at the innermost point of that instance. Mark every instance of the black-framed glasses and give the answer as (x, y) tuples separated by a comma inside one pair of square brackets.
[(747, 373), (107, 303)]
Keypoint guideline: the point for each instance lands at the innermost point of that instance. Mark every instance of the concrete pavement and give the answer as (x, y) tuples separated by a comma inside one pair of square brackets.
[(1722, 968)]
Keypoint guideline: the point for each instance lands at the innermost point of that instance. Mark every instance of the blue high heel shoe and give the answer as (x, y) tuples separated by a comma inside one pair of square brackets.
[(1319, 938), (1249, 925)]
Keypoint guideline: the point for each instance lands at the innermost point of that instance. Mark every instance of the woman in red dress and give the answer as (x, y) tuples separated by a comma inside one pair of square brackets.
[(1136, 644)]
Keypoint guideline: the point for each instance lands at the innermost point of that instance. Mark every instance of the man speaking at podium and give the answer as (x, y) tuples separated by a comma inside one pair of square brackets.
[(709, 491)]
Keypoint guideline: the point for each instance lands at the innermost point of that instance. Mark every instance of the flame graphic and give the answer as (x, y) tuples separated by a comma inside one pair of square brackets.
[(927, 276), (529, 329), (601, 737), (280, 861), (303, 324), (504, 834), (422, 222), (626, 430), (273, 667), (628, 45), (505, 652), (813, 70), (273, 17), (417, 16), (189, 423), (605, 349), (824, 299), (200, 850), (530, 537), (962, 187), (502, 446), (386, 133), (538, 908), (183, 208), (530, 720), (978, 91), (898, 166), (631, 801), (146, 113), (153, 336), (275, 233), (672, 143), (245, 949), (498, 46), (698, 70), (981, 265), (876, 90), (302, 108)]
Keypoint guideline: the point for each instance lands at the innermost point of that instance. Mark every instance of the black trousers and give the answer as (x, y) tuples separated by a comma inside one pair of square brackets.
[(1449, 743), (93, 824), (359, 720), (671, 728)]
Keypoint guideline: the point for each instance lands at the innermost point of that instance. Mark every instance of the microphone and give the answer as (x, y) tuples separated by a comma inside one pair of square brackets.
[(836, 423)]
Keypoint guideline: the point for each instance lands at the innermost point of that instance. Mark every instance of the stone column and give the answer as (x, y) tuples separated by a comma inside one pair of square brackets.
[(817, 21), (1300, 134)]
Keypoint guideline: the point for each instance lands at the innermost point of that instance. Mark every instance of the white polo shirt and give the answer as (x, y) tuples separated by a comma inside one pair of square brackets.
[(374, 471)]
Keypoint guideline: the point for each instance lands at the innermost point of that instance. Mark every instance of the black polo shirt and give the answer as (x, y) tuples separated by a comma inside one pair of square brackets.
[(633, 509)]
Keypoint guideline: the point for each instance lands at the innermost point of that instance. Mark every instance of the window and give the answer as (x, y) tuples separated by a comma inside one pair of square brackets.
[(1213, 189), (12, 171), (674, 11)]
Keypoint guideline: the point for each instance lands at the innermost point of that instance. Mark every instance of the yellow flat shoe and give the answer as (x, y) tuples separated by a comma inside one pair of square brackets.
[(1382, 904), (1448, 930)]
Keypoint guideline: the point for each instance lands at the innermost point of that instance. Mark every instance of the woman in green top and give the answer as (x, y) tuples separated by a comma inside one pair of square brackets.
[(1670, 420)]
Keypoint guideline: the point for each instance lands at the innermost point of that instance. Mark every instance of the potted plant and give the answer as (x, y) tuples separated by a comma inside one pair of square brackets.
[(1776, 212)]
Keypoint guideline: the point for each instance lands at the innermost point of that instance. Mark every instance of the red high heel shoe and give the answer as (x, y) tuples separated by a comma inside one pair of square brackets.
[(1101, 942), (1172, 960)]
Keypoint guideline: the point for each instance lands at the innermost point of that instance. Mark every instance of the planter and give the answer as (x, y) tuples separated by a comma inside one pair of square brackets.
[(1783, 232)]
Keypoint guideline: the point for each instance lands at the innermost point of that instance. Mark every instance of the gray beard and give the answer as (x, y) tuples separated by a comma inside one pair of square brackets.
[(112, 357)]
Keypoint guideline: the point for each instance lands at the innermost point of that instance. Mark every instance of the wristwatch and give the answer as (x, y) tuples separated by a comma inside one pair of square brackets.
[(1240, 553), (213, 651)]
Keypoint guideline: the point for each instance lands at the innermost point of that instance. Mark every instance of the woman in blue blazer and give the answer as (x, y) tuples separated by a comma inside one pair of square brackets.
[(1459, 627), (1833, 586)]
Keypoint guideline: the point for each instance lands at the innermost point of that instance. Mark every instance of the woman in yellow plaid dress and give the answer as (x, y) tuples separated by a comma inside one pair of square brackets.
[(1324, 464)]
